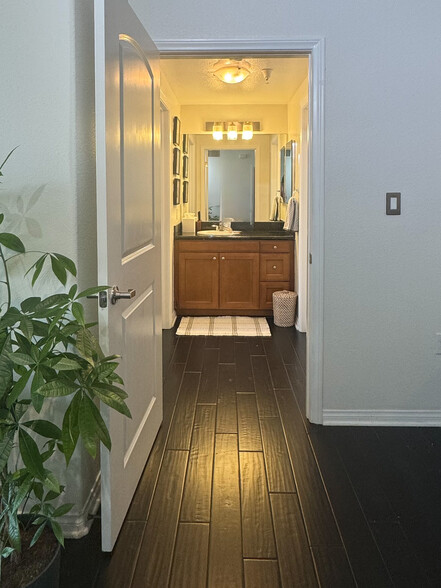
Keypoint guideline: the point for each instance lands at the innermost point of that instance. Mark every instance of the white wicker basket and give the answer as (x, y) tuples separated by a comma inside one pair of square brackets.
[(284, 307)]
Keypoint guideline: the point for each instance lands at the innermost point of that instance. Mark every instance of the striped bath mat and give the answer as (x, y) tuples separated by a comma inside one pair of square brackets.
[(243, 326)]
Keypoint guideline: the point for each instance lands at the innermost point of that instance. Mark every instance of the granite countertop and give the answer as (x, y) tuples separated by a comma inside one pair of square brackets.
[(260, 230)]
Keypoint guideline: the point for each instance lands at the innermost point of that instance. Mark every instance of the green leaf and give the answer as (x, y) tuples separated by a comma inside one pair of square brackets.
[(31, 455), (12, 242), (59, 270), (5, 364), (57, 532), (21, 358), (37, 535), (51, 482), (52, 301), (101, 428), (6, 445), (17, 389), (6, 551), (22, 492), (14, 531), (113, 400), (70, 430), (29, 304), (44, 428), (38, 267), (105, 387), (73, 291), (27, 327), (67, 263), (38, 490), (86, 422), (104, 370), (78, 312), (92, 291), (86, 344), (66, 364), (57, 388), (62, 510), (37, 382)]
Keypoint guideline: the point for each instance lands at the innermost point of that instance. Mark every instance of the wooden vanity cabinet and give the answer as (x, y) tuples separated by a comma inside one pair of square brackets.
[(230, 277)]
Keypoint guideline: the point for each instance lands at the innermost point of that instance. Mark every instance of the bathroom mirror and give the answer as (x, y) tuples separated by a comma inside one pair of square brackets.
[(230, 184)]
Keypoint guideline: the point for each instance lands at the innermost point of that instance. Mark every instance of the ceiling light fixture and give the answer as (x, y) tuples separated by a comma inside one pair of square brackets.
[(231, 71), (232, 132)]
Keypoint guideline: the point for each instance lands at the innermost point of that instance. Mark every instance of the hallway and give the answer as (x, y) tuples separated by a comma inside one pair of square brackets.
[(240, 490)]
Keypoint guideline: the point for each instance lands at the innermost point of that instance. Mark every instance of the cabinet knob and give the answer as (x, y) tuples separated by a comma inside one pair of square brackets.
[(274, 246), (274, 266), (222, 257), (214, 258)]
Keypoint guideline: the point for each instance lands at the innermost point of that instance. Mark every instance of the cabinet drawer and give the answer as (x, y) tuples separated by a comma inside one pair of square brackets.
[(275, 246), (275, 267), (266, 292)]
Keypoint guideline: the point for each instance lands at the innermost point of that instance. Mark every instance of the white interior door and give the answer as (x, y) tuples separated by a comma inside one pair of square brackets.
[(128, 166)]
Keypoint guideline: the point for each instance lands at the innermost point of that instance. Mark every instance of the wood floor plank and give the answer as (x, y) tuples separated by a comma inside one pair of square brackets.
[(256, 346), (142, 499), (195, 358), (226, 350), (226, 417), (225, 565), (319, 519), (182, 422), (191, 556), (156, 552), (294, 556), (298, 384), (276, 365), (366, 560), (182, 349), (248, 423), (209, 379), (261, 573), (119, 572), (212, 342), (266, 401), (333, 568), (244, 374), (196, 502), (257, 527), (278, 465)]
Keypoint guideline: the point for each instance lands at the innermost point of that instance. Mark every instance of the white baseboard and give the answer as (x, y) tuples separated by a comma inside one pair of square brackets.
[(385, 418), (77, 524)]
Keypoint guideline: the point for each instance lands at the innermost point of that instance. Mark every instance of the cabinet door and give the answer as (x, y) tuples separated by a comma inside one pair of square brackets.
[(266, 292), (198, 280), (275, 267), (239, 281)]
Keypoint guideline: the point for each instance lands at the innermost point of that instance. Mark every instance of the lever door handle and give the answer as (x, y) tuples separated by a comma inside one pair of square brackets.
[(116, 294)]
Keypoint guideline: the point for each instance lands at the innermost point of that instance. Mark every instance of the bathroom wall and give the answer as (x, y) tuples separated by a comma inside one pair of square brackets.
[(382, 305)]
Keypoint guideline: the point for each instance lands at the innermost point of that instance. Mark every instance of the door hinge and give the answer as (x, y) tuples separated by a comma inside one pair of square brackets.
[(310, 258)]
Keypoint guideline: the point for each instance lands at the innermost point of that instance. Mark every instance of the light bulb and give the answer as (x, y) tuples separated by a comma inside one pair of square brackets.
[(232, 132), (247, 131), (218, 131)]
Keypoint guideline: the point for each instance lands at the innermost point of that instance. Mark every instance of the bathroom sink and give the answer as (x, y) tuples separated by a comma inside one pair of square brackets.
[(214, 233)]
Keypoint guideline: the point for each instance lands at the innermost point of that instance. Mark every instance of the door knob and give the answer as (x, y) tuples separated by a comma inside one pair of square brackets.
[(116, 295)]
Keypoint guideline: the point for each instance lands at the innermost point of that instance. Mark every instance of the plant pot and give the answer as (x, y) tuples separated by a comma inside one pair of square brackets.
[(50, 577)]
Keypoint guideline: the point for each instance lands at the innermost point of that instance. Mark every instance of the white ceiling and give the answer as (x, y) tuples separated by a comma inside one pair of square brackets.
[(193, 83)]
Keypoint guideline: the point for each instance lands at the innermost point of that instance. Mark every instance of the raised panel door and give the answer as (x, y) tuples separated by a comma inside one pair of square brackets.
[(239, 281), (198, 280)]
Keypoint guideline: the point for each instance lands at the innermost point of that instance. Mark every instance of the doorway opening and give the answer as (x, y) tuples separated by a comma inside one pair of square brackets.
[(309, 167)]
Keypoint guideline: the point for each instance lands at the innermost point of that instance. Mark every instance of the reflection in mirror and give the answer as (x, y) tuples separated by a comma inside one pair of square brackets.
[(287, 171), (231, 183)]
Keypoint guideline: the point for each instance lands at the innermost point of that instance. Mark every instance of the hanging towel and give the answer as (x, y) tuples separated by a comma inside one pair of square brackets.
[(292, 215), (275, 209)]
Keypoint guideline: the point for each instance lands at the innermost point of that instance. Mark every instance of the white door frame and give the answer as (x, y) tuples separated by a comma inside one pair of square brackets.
[(315, 50)]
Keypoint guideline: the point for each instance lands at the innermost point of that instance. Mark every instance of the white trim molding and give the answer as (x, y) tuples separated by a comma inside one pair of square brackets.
[(77, 524), (315, 49), (383, 418)]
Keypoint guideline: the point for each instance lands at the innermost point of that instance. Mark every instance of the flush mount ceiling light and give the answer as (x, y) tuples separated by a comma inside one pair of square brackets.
[(231, 71)]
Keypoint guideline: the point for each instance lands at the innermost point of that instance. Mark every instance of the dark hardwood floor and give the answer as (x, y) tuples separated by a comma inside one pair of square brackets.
[(241, 490)]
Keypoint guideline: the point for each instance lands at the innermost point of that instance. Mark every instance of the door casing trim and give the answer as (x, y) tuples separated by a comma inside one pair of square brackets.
[(315, 49)]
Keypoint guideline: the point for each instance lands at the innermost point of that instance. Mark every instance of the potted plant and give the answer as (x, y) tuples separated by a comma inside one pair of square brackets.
[(50, 363)]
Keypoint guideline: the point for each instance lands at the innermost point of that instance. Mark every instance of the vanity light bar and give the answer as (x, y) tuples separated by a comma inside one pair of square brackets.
[(239, 125)]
